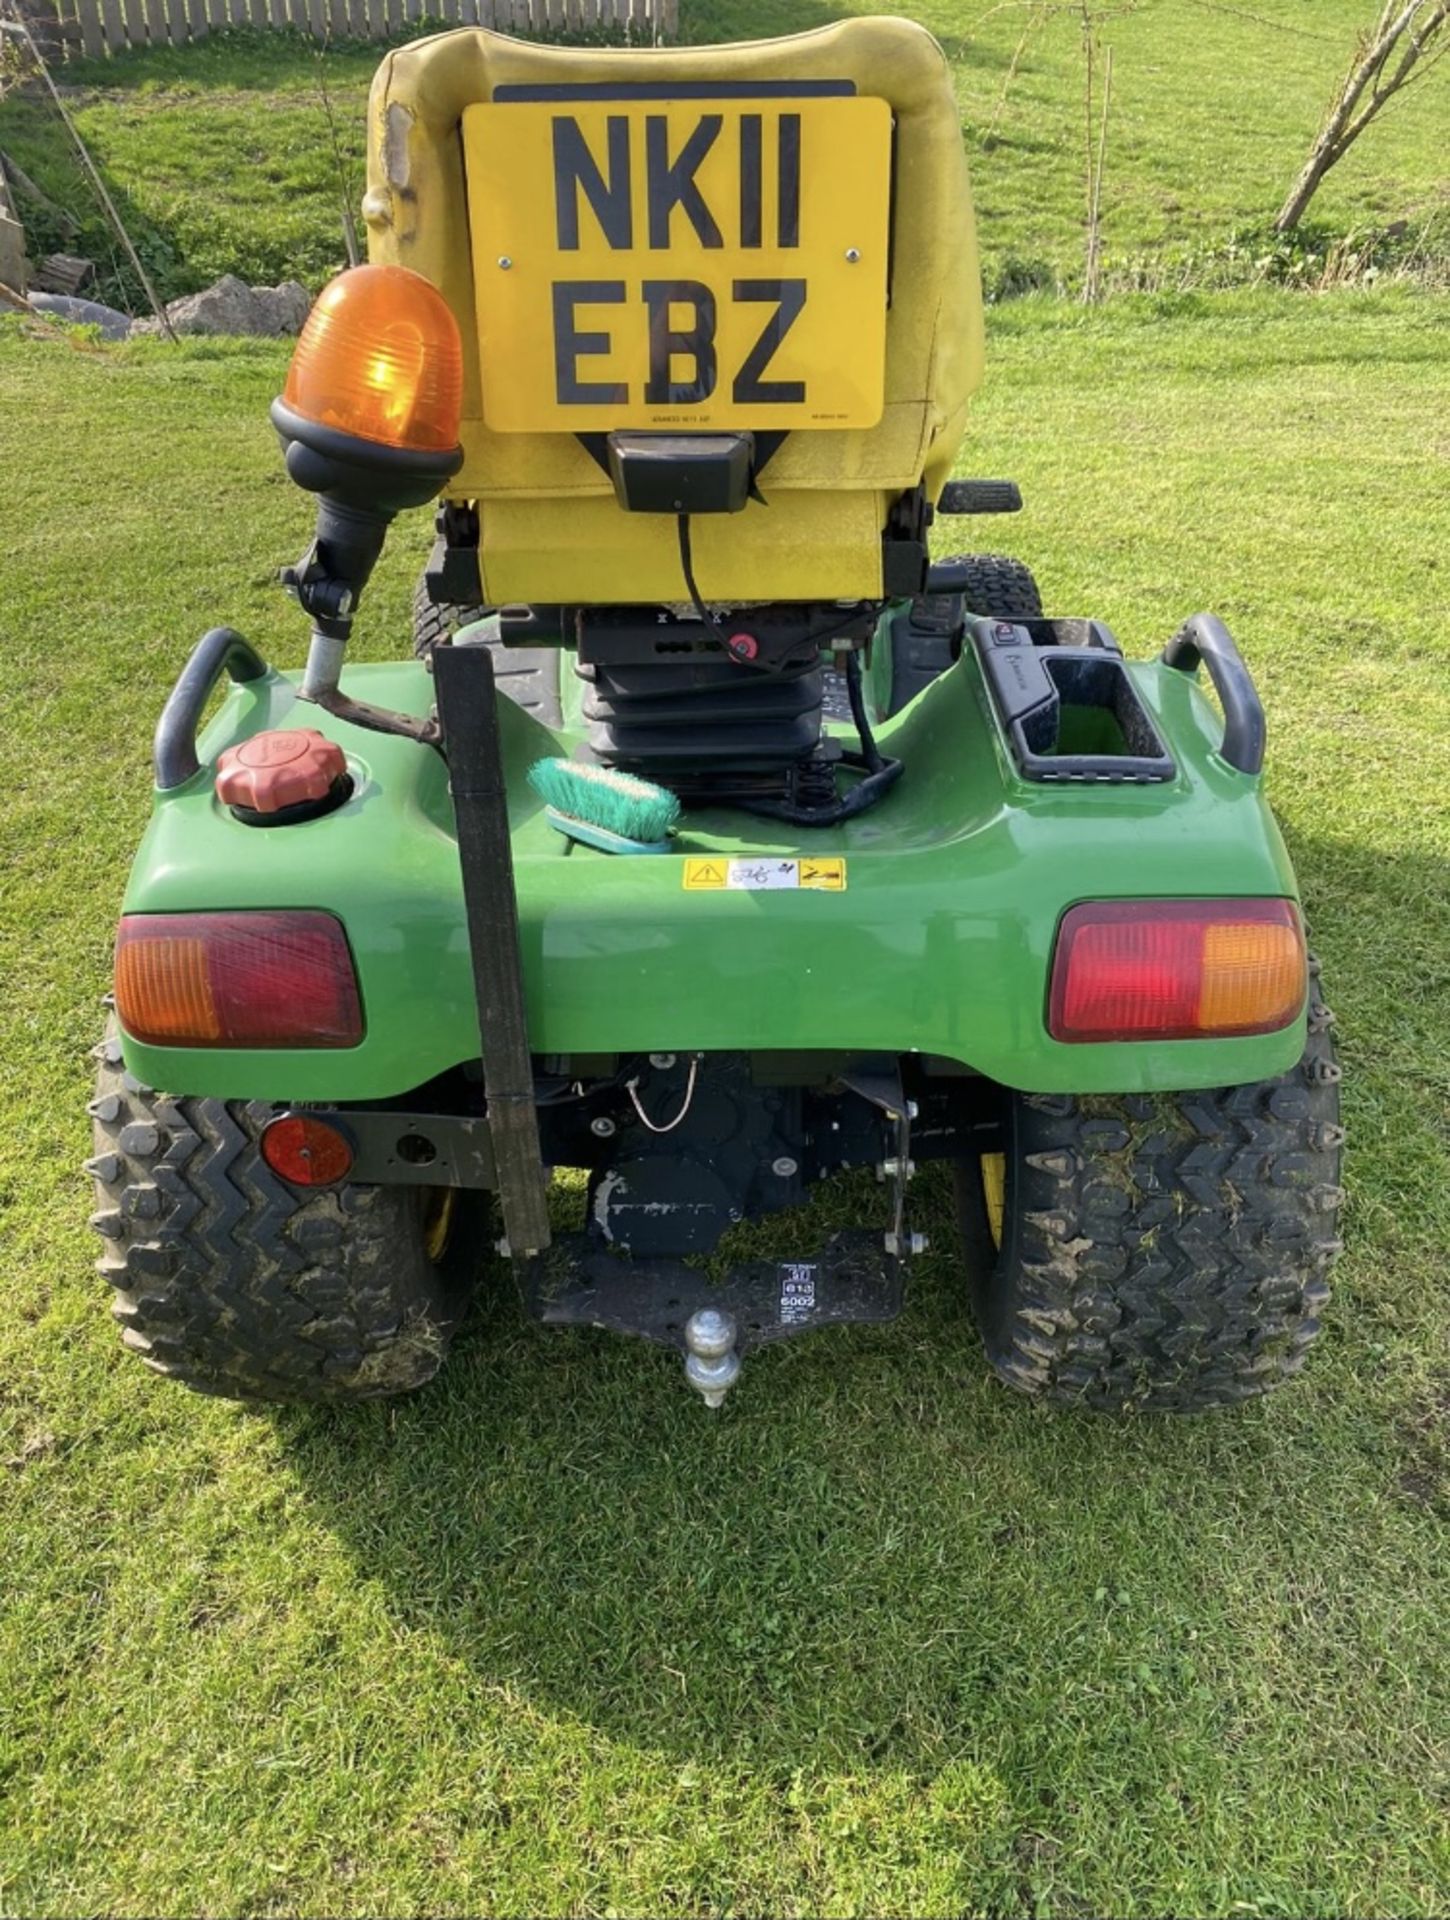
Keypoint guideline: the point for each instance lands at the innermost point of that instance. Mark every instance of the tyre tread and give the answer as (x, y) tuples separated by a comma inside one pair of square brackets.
[(1166, 1252), (235, 1283)]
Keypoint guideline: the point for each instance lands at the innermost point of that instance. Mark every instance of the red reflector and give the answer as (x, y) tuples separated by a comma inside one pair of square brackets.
[(1176, 969), (236, 980), (308, 1152)]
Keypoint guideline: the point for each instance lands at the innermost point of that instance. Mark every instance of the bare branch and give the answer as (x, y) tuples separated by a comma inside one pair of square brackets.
[(1402, 47)]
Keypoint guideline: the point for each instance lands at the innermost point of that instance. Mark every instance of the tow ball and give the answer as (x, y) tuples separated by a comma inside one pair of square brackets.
[(712, 1366), (714, 1323)]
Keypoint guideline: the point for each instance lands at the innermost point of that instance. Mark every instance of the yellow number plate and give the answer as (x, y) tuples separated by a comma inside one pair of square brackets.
[(680, 263)]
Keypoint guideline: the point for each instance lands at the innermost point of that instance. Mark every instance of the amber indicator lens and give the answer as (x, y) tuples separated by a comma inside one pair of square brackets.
[(1177, 969), (236, 980), (380, 358)]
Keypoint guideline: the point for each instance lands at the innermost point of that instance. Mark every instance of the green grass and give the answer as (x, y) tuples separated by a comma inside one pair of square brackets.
[(221, 159), (880, 1638)]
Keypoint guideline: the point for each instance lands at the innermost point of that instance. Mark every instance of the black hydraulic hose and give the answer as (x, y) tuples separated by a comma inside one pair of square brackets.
[(687, 567), (866, 792), (877, 772), (869, 750)]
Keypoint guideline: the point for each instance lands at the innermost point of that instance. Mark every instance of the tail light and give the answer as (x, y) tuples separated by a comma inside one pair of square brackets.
[(1176, 969), (245, 979)]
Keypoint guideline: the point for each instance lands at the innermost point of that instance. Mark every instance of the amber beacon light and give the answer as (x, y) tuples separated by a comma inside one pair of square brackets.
[(380, 360), (369, 418)]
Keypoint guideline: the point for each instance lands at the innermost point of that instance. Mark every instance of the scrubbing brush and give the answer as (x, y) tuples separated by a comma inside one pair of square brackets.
[(601, 808)]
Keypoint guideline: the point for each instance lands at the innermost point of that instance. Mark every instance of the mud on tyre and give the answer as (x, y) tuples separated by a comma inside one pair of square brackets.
[(238, 1284), (1159, 1252)]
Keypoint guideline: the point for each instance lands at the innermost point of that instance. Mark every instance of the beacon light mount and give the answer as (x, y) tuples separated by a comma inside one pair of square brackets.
[(369, 421)]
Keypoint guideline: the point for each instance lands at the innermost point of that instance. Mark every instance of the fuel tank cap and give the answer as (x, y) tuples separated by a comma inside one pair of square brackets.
[(280, 776)]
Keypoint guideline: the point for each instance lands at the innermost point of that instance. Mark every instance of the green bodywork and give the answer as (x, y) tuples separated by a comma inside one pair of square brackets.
[(941, 943)]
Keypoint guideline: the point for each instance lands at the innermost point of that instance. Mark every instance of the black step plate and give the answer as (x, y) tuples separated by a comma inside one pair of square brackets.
[(575, 1284)]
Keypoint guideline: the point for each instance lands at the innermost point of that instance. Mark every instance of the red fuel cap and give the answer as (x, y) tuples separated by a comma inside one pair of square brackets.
[(276, 770)]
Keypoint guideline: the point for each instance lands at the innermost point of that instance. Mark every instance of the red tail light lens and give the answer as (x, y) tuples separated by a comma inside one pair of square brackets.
[(236, 980), (1176, 969)]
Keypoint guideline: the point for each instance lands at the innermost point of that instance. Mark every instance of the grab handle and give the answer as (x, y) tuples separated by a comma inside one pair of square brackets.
[(223, 650), (1206, 638)]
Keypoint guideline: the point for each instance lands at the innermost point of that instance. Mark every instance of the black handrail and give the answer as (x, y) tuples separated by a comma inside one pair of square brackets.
[(1206, 638), (223, 650)]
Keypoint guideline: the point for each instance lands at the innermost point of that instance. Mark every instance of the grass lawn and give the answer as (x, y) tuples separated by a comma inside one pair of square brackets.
[(880, 1638), (221, 158)]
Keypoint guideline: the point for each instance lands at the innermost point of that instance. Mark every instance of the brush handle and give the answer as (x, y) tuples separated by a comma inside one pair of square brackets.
[(589, 835)]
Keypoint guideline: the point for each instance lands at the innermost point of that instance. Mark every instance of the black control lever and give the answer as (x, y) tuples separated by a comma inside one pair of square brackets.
[(948, 577)]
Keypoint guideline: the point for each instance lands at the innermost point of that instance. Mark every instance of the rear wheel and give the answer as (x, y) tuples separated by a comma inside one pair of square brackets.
[(1159, 1252), (235, 1283)]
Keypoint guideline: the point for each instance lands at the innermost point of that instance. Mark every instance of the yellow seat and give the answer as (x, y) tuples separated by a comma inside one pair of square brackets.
[(551, 527)]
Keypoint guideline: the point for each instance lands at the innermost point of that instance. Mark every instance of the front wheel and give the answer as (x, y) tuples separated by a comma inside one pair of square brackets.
[(236, 1283), (1161, 1252)]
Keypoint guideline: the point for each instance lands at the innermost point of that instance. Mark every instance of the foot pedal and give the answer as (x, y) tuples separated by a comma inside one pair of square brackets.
[(980, 496)]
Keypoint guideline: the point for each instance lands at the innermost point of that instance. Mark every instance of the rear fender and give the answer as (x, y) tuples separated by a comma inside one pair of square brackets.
[(940, 942)]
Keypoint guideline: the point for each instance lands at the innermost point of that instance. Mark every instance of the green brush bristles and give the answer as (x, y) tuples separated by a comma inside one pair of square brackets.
[(614, 804)]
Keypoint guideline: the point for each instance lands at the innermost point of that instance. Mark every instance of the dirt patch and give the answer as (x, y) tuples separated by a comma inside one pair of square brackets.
[(36, 1447), (408, 1360), (1424, 1476)]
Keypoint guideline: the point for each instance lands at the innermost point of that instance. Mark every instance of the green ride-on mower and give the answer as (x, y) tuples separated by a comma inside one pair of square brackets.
[(713, 840)]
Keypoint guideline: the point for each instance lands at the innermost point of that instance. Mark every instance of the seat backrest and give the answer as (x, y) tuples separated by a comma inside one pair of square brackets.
[(706, 262)]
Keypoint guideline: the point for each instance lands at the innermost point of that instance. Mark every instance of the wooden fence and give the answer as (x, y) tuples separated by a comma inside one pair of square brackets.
[(96, 27)]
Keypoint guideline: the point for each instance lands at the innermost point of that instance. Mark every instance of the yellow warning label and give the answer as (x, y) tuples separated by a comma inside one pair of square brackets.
[(827, 876), (765, 875)]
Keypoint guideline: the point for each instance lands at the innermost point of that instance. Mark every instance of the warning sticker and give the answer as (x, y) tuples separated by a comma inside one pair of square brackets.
[(820, 875)]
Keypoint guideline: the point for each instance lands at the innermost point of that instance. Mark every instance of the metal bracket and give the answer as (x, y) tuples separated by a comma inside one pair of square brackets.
[(392, 1149), (576, 1284), (885, 1090), (361, 713)]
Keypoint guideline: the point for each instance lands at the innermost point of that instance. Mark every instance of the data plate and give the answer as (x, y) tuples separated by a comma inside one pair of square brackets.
[(692, 263)]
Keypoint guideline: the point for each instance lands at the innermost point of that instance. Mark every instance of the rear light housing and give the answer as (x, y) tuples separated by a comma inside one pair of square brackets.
[(1176, 970), (243, 979)]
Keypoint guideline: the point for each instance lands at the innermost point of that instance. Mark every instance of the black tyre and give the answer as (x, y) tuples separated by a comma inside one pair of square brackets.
[(529, 676), (435, 626), (1000, 588), (1159, 1252), (235, 1283)]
